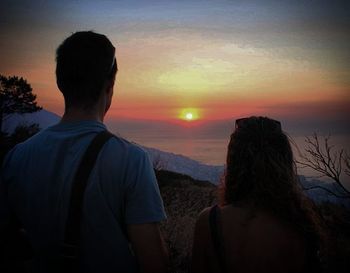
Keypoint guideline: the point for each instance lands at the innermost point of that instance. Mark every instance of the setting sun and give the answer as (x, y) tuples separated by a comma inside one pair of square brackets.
[(189, 114)]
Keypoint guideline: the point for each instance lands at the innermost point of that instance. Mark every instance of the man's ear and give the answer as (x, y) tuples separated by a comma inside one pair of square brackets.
[(110, 85), (109, 95)]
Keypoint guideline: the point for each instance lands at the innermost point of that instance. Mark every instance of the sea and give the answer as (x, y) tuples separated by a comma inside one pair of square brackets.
[(208, 145), (212, 151)]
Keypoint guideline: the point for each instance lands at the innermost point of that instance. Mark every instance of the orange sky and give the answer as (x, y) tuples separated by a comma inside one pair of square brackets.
[(171, 59)]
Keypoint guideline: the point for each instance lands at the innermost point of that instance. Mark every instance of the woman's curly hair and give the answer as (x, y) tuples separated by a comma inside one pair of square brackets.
[(260, 168)]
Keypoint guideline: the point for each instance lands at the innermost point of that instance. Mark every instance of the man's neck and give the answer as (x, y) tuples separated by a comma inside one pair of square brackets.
[(74, 114)]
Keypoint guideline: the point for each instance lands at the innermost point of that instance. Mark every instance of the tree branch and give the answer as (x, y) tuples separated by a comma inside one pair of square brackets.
[(346, 158), (321, 158)]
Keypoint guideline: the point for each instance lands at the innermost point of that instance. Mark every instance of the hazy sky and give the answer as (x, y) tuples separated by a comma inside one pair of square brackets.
[(222, 59)]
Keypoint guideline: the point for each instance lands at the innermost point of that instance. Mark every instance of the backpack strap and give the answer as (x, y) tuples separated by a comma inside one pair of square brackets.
[(217, 238), (69, 249)]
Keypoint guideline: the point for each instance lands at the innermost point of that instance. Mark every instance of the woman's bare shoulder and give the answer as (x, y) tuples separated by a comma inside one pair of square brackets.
[(203, 218)]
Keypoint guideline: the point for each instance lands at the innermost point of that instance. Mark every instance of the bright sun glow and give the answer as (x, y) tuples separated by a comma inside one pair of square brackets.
[(189, 114)]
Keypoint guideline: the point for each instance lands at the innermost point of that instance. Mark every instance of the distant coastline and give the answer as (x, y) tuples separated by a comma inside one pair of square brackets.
[(202, 157)]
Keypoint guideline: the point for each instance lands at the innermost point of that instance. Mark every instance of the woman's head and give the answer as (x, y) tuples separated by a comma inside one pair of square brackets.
[(261, 171), (260, 165)]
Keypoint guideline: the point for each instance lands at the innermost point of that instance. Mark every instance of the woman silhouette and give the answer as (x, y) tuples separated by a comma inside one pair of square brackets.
[(264, 222)]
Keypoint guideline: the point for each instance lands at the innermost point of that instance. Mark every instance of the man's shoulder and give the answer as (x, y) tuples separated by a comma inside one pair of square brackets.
[(127, 153), (119, 155), (128, 148)]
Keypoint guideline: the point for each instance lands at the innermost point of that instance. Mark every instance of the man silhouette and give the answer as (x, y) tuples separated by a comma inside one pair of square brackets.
[(122, 206)]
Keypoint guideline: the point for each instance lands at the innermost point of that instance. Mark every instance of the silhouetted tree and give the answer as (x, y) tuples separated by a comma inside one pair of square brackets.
[(20, 134), (23, 132), (16, 96), (347, 163), (321, 157)]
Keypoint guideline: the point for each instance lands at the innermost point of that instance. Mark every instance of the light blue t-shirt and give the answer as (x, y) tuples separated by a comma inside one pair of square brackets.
[(36, 181)]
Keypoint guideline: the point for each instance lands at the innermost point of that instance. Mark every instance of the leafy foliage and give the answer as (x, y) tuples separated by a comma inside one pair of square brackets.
[(21, 133), (16, 96)]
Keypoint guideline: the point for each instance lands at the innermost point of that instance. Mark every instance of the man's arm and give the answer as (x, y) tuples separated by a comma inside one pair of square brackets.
[(149, 247), (143, 211)]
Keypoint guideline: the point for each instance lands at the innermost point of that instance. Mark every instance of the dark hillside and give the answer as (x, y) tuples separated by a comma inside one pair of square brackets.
[(184, 198)]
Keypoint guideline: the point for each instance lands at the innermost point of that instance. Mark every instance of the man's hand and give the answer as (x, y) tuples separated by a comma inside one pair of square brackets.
[(149, 247)]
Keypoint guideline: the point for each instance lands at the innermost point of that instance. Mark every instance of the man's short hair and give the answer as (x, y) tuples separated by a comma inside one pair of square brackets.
[(85, 61)]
